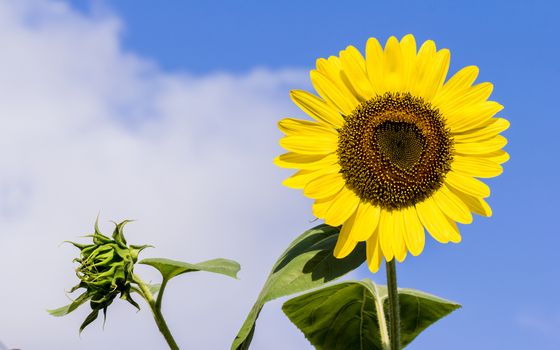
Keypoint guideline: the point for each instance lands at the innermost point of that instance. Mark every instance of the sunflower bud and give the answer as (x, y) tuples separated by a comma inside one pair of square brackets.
[(106, 270)]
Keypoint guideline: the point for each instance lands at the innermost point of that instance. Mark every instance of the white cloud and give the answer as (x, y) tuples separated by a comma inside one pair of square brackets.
[(86, 126)]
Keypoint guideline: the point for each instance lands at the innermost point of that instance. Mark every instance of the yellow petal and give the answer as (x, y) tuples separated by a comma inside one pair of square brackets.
[(346, 242), (399, 232), (470, 96), (481, 147), (414, 231), (475, 204), (317, 108), (467, 184), (386, 229), (302, 177), (321, 206), (472, 116), (476, 166), (344, 204), (452, 206), (367, 219), (457, 85), (353, 68), (320, 144), (374, 65), (439, 72), (489, 129), (373, 252), (293, 160), (291, 126), (331, 93), (394, 66), (324, 186), (441, 228), (408, 49), (332, 69), (499, 157)]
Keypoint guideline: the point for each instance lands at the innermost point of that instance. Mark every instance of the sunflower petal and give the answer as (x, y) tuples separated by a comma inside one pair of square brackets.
[(394, 66), (499, 157), (317, 108), (344, 205), (467, 184), (373, 251), (386, 229), (399, 232), (458, 84), (367, 220), (293, 160), (324, 186), (346, 242), (321, 206), (309, 144), (374, 65), (489, 129), (331, 93), (414, 231), (301, 178), (475, 204), (472, 116), (481, 147), (452, 206), (408, 48), (441, 228), (291, 126), (476, 166), (353, 68)]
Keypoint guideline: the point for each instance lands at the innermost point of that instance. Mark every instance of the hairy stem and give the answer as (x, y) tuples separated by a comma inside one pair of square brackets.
[(156, 311), (394, 309)]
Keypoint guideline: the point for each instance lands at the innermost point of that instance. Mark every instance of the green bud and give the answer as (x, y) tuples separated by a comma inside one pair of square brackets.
[(106, 270)]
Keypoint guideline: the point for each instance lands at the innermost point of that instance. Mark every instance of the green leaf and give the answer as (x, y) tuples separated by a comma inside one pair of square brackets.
[(172, 268), (419, 310), (65, 310), (348, 315), (307, 263)]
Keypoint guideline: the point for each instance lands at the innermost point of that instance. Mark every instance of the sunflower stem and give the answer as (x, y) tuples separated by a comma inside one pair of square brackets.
[(156, 311), (394, 309)]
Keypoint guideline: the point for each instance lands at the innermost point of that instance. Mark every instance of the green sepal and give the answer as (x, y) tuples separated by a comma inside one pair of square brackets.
[(65, 310), (348, 315), (306, 264)]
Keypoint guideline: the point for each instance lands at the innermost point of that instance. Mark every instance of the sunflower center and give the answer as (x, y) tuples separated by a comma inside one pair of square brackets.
[(401, 143), (394, 150)]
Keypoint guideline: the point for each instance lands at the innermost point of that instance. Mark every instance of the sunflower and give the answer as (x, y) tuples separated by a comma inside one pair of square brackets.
[(393, 148)]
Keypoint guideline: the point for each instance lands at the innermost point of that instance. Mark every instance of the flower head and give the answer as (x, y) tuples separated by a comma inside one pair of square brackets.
[(393, 148), (105, 270)]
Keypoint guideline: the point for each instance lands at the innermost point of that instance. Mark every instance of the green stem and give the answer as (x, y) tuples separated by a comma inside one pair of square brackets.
[(394, 309), (156, 311)]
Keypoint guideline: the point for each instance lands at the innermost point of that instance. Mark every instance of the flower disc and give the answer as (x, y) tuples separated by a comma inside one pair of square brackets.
[(394, 151)]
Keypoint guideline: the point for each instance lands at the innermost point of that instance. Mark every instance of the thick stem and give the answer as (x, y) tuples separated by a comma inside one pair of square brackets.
[(156, 311), (394, 309)]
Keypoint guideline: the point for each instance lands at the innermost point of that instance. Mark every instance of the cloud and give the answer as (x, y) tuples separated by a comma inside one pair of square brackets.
[(87, 126)]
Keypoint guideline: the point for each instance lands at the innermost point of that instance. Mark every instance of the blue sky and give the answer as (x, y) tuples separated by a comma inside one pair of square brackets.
[(504, 271)]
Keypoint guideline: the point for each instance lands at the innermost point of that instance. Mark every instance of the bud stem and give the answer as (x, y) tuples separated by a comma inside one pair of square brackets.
[(156, 311)]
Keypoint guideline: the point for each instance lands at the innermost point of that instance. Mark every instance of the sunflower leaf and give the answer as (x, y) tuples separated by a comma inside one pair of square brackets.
[(306, 264), (172, 268), (347, 315)]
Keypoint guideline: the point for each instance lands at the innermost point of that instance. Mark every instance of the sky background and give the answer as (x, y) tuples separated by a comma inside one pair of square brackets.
[(166, 113)]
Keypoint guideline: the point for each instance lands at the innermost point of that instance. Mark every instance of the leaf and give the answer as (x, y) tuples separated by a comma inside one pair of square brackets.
[(65, 310), (419, 310), (307, 263), (348, 315), (172, 268)]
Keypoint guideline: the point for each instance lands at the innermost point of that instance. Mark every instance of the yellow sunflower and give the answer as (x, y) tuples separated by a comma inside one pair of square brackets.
[(393, 148)]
